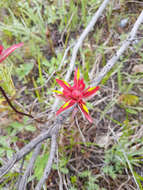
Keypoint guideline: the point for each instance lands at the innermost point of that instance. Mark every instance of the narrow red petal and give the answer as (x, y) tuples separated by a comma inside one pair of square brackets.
[(65, 106), (1, 49), (5, 53), (76, 77), (90, 91), (85, 112), (63, 84), (81, 84)]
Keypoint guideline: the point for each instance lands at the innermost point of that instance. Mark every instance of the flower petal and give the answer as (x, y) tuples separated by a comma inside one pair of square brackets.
[(81, 85), (90, 91), (76, 77), (85, 111), (85, 108), (65, 106), (63, 84), (58, 92), (5, 53), (64, 95), (1, 49)]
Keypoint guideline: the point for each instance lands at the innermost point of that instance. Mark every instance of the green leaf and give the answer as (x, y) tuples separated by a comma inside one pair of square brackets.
[(1, 151), (131, 111), (40, 165), (128, 99), (54, 166), (16, 125), (30, 128), (85, 173), (3, 141), (24, 70), (9, 153), (89, 105), (139, 180), (64, 170), (72, 188), (73, 179)]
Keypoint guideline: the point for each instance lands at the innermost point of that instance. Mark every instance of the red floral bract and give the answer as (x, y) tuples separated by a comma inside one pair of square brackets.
[(5, 53), (75, 94)]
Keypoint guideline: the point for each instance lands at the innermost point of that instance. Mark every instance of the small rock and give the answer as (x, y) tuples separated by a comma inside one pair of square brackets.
[(123, 23), (137, 69)]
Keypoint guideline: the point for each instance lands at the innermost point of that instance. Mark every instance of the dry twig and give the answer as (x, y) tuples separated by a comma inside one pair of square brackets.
[(24, 151), (120, 52), (23, 181), (50, 161), (40, 138)]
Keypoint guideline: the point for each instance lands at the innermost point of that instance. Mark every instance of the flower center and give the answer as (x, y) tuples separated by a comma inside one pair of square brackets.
[(76, 94)]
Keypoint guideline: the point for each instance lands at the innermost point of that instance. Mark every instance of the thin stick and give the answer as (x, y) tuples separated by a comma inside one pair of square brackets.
[(33, 143), (83, 36), (49, 163), (122, 49), (23, 181), (11, 105), (20, 172), (24, 151), (82, 136)]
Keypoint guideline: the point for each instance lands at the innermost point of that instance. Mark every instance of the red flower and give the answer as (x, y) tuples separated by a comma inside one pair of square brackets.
[(75, 94), (5, 53)]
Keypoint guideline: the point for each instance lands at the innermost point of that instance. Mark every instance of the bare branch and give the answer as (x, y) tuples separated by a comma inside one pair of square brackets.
[(23, 182), (84, 35), (43, 136), (122, 49), (20, 172), (24, 151), (50, 161)]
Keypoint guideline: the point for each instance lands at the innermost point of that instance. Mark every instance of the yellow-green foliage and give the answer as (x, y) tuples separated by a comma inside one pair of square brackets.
[(6, 80)]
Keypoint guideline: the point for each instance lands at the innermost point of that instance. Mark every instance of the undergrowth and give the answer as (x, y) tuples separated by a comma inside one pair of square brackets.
[(105, 155)]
